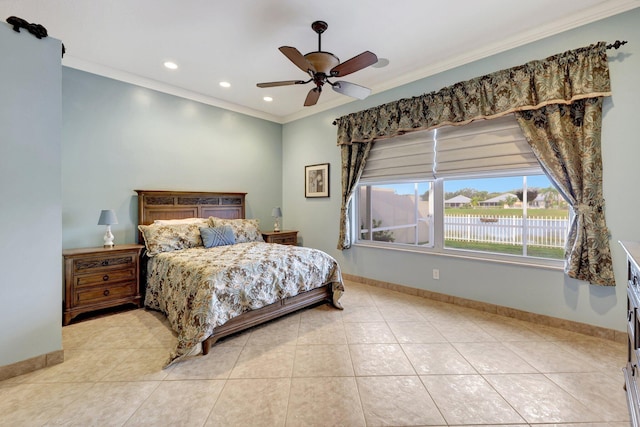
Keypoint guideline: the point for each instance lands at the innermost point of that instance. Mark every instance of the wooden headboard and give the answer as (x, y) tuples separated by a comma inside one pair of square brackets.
[(154, 205)]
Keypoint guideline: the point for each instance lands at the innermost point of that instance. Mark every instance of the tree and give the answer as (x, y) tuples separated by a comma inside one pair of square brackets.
[(531, 195), (467, 192), (552, 198), (382, 235), (510, 201)]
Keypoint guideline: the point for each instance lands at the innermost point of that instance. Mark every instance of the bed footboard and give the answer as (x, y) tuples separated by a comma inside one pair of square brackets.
[(280, 308)]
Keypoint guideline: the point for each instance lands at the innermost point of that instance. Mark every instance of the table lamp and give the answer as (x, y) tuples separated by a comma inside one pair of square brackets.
[(277, 214), (108, 217)]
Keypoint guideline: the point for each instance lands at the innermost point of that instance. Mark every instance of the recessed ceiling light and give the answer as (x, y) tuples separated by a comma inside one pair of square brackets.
[(171, 65), (268, 98), (225, 84)]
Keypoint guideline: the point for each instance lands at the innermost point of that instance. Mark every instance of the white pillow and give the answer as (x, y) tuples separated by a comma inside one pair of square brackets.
[(170, 237)]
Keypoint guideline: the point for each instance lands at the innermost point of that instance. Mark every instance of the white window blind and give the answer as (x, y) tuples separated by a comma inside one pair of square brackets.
[(486, 146), (495, 146), (406, 156)]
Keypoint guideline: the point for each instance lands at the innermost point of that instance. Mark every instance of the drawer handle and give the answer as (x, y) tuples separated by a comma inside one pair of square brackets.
[(629, 315), (106, 292), (105, 277), (105, 263)]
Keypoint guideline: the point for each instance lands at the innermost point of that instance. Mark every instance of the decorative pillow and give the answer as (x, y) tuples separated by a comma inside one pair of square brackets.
[(201, 221), (217, 236), (170, 237), (244, 230)]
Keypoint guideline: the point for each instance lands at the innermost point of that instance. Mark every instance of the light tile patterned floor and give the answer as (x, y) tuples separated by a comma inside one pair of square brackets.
[(387, 359)]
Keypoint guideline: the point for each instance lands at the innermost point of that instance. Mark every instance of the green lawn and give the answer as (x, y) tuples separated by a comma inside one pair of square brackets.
[(535, 251), (500, 248)]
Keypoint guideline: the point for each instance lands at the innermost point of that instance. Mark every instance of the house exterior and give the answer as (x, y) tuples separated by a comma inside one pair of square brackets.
[(539, 202), (458, 201), (500, 201)]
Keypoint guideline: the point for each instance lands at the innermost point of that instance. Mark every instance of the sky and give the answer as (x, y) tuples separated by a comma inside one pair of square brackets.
[(491, 185), (497, 185)]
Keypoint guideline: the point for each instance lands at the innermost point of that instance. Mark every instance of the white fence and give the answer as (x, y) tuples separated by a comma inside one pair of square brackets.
[(539, 231)]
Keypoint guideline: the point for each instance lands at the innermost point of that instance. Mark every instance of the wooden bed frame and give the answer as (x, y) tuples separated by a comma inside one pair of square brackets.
[(153, 205)]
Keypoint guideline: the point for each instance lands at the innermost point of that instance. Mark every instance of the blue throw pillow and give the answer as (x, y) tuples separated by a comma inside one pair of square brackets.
[(217, 236)]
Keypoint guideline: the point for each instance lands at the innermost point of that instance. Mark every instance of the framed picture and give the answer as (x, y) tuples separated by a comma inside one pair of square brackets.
[(316, 180)]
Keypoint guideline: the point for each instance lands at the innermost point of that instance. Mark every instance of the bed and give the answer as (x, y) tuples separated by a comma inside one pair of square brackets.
[(210, 293)]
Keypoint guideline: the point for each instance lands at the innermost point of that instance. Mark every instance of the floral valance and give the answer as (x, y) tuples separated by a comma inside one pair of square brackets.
[(559, 79)]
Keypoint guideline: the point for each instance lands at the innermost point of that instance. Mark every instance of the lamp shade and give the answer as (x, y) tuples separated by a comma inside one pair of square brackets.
[(276, 212), (108, 217)]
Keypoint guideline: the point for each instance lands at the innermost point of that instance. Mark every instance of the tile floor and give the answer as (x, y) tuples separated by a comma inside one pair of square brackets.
[(387, 359)]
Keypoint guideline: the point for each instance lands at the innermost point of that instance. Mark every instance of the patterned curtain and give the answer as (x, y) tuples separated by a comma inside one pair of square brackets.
[(559, 80), (354, 157), (566, 140)]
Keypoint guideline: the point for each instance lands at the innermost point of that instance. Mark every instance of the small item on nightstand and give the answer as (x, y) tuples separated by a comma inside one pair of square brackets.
[(277, 214), (108, 217)]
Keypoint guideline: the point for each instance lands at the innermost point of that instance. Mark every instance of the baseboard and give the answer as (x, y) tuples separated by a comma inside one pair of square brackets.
[(541, 319), (30, 365)]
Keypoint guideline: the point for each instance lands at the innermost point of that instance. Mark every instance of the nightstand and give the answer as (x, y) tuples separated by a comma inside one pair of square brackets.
[(284, 237), (96, 278)]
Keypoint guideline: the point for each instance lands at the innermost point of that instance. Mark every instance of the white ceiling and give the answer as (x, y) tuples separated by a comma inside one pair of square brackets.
[(237, 41)]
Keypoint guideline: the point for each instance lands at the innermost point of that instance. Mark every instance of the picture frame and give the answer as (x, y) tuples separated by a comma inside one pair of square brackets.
[(316, 180)]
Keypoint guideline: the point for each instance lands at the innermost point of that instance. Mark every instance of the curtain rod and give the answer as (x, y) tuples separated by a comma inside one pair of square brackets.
[(617, 44)]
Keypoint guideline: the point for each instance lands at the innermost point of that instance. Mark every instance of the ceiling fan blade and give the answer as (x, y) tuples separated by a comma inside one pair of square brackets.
[(282, 83), (297, 58), (354, 64), (312, 97), (351, 89)]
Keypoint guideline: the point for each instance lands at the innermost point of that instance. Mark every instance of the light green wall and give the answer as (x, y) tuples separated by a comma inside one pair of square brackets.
[(313, 140), (30, 190), (119, 137)]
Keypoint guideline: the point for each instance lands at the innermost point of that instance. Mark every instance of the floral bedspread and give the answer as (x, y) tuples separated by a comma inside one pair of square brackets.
[(199, 289)]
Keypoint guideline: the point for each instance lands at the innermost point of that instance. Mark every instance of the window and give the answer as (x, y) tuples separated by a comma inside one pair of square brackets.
[(475, 188), (515, 215), (396, 213)]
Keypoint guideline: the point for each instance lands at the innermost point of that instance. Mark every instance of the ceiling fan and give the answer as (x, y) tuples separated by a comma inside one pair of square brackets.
[(324, 65)]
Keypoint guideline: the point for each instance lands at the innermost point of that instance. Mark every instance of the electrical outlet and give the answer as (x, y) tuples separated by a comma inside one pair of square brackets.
[(436, 274)]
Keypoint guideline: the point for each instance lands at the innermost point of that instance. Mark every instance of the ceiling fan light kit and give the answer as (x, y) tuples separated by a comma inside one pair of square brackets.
[(321, 65), (323, 62)]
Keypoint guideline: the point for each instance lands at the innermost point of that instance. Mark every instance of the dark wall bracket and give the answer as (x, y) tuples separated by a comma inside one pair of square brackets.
[(36, 29)]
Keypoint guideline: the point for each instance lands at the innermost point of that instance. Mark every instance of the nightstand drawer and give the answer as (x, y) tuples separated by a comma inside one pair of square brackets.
[(105, 277), (84, 265), (284, 237), (106, 293), (284, 240)]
